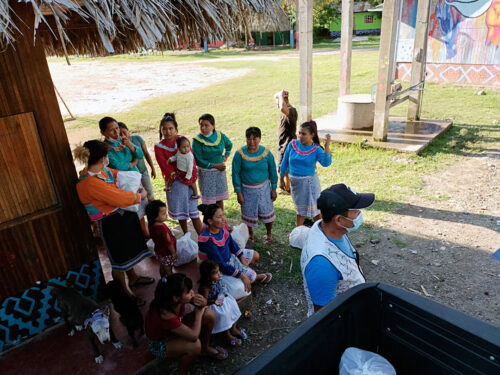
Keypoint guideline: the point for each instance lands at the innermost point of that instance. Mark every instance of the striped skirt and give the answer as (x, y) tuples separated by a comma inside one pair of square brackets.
[(305, 193), (180, 204), (122, 235), (258, 204), (213, 185)]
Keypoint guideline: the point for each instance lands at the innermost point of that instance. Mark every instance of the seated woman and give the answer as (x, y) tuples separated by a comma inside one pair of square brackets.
[(215, 243), (255, 181), (120, 230), (170, 332)]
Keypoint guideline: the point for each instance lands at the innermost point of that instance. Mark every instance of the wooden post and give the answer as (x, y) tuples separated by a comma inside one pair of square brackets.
[(346, 47), (390, 19), (305, 57), (419, 59)]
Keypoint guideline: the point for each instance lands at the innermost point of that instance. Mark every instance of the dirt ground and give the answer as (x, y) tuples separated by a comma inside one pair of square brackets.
[(438, 248)]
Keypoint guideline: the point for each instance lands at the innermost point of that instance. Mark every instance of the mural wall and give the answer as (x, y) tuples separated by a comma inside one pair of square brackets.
[(463, 41)]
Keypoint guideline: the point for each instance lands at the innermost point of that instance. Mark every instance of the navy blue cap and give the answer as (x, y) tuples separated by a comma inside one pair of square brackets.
[(339, 198)]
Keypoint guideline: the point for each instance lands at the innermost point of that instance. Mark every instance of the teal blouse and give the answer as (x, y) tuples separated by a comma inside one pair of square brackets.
[(211, 150), (253, 168)]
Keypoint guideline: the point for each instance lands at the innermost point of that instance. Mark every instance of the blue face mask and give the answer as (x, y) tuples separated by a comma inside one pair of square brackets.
[(356, 222)]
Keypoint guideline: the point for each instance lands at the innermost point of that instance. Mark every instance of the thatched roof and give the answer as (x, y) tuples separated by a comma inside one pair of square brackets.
[(118, 26), (260, 22)]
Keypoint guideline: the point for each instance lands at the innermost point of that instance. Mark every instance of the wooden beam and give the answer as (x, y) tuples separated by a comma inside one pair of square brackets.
[(305, 57), (419, 59), (390, 19), (346, 47)]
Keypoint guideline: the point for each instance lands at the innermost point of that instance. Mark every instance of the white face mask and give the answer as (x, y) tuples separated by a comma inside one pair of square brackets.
[(106, 162), (112, 140), (209, 134)]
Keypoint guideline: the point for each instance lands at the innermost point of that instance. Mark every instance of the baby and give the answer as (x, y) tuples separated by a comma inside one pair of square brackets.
[(185, 170)]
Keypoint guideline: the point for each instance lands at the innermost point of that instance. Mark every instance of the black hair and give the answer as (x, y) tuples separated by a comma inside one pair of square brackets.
[(169, 287), (207, 267), (313, 129), (122, 125), (103, 123), (328, 215), (253, 131), (208, 117), (153, 209), (208, 211), (167, 117), (97, 150), (180, 140)]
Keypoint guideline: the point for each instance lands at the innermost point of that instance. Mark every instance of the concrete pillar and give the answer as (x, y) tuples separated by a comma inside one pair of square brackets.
[(346, 47), (419, 59), (390, 19), (305, 57)]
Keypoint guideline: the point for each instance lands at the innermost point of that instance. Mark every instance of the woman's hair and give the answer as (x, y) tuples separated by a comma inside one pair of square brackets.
[(313, 129), (208, 211), (208, 117), (169, 287), (91, 152), (122, 125), (167, 117), (103, 123), (180, 140), (207, 267), (153, 209), (253, 131)]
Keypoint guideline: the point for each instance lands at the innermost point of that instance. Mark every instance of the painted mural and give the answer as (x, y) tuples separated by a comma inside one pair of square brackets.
[(460, 32)]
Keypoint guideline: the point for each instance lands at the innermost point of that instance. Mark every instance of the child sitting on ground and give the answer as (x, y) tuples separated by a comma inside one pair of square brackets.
[(165, 242), (185, 167), (221, 302)]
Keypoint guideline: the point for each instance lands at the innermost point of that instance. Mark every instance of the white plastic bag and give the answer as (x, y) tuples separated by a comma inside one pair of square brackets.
[(235, 286), (355, 361), (240, 235), (298, 236), (131, 181), (187, 250)]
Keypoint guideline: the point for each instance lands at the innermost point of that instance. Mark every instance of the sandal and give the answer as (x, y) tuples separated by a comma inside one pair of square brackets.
[(235, 342), (268, 278), (244, 334), (142, 280), (268, 240), (220, 355)]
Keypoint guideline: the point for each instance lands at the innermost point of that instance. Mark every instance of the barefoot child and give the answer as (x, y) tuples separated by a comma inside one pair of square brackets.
[(165, 242), (221, 302), (185, 168)]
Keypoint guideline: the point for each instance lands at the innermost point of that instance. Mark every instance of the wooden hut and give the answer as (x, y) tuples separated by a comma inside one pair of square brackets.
[(44, 231)]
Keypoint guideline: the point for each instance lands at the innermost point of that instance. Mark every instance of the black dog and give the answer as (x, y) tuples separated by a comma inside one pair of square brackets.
[(130, 315), (81, 312)]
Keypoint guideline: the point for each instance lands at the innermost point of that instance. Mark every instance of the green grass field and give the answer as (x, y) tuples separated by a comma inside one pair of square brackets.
[(248, 101)]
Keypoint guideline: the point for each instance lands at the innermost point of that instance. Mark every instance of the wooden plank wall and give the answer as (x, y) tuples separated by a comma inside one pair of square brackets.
[(60, 239)]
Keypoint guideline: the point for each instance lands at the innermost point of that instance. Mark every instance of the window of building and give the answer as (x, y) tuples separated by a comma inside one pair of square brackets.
[(368, 19)]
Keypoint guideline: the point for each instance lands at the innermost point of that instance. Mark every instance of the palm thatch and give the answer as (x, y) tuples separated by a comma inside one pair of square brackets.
[(117, 26)]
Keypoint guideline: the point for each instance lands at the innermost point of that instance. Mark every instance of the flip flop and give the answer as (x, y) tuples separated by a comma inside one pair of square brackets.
[(267, 240), (235, 342), (268, 278), (221, 353), (244, 334), (142, 280)]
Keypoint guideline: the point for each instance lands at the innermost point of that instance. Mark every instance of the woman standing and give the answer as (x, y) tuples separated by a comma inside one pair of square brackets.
[(180, 205), (300, 161), (120, 229), (255, 181), (211, 149)]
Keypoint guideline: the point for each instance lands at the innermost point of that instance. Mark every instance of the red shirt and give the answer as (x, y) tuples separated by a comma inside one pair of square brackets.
[(157, 328), (162, 237)]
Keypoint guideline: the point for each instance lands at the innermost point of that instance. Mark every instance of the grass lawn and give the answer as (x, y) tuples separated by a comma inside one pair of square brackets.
[(247, 101)]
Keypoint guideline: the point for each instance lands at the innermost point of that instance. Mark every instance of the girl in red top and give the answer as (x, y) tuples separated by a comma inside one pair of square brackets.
[(170, 332), (165, 241)]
